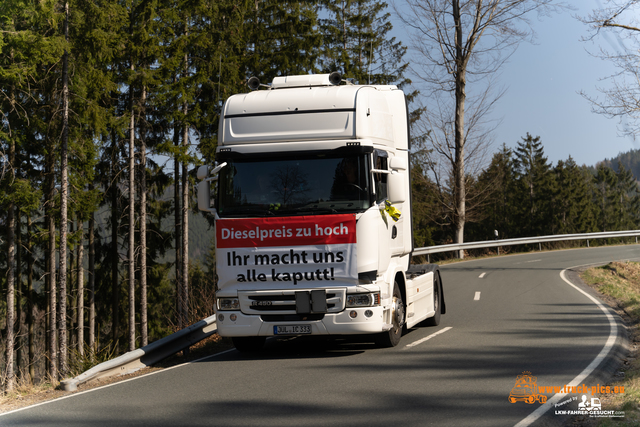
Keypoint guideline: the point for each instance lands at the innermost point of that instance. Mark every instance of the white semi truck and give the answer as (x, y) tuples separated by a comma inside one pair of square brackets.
[(311, 198)]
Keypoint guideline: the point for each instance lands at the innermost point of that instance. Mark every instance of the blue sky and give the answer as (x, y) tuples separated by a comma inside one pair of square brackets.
[(543, 81)]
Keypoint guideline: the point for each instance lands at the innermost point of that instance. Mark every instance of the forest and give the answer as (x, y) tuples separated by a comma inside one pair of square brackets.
[(108, 107)]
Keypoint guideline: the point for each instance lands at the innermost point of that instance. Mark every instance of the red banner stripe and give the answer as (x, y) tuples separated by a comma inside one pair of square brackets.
[(285, 231)]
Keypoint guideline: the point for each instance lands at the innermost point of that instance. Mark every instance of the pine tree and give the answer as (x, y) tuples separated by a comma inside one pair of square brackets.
[(572, 199), (358, 43), (28, 41), (499, 210), (535, 183), (282, 38), (607, 199)]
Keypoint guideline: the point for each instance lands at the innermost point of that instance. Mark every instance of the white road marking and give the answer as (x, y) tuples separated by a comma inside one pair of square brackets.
[(420, 341), (534, 260), (613, 333), (481, 276), (477, 296)]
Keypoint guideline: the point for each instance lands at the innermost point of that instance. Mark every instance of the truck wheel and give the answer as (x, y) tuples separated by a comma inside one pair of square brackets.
[(391, 338), (248, 344), (437, 302)]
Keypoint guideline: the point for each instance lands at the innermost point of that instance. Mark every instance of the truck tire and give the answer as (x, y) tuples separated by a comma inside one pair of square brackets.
[(437, 302), (391, 338), (248, 344)]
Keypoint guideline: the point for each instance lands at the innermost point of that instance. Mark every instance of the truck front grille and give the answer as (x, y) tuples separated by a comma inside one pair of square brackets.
[(284, 302)]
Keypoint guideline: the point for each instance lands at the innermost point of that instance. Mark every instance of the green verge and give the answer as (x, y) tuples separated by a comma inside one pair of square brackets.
[(619, 284)]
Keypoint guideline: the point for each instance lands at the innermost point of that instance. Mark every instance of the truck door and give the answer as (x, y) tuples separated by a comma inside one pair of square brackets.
[(380, 163), (391, 233)]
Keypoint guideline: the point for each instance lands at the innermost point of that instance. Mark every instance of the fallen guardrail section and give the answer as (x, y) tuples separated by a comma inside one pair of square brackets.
[(165, 347), (145, 356)]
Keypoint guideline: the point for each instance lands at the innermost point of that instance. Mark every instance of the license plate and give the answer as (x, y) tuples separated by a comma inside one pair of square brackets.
[(292, 330)]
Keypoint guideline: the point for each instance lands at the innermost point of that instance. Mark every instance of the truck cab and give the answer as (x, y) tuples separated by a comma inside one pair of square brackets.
[(311, 198)]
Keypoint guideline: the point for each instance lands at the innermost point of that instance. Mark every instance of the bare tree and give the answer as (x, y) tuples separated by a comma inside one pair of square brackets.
[(436, 152), (461, 45), (622, 97)]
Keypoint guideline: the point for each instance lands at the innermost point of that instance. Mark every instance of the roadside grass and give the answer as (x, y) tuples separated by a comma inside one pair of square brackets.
[(619, 283)]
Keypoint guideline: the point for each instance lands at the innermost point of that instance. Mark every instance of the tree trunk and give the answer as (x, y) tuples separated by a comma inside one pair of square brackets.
[(11, 304), (80, 287), (132, 224), (185, 227), (51, 264), (30, 297), (19, 295), (185, 210), (458, 172), (92, 281), (115, 212), (177, 227), (72, 301), (143, 232), (62, 317)]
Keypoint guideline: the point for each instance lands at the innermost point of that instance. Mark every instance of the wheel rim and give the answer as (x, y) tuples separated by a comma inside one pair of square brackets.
[(398, 313), (436, 296)]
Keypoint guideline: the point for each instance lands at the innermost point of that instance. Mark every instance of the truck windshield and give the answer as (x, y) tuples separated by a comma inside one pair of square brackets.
[(293, 186)]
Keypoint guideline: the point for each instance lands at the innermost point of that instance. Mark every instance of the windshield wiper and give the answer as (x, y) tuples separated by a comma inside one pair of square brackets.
[(314, 209), (248, 209)]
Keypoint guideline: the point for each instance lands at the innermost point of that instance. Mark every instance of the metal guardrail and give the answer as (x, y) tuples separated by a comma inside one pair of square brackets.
[(147, 355), (525, 241), (158, 350)]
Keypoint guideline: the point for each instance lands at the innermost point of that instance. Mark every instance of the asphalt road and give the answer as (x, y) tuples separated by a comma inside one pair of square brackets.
[(504, 316)]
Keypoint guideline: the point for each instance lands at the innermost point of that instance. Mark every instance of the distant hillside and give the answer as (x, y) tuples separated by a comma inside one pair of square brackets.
[(630, 160)]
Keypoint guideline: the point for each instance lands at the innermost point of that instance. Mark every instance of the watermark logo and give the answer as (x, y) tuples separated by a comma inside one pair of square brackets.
[(586, 405), (526, 390)]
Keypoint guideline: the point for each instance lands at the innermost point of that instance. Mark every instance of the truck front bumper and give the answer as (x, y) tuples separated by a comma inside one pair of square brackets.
[(361, 320)]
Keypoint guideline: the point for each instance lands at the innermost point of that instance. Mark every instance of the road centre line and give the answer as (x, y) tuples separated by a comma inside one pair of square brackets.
[(477, 296), (420, 341), (482, 275), (613, 333)]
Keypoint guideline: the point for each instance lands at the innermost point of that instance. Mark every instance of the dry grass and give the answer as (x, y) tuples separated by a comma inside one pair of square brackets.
[(619, 285)]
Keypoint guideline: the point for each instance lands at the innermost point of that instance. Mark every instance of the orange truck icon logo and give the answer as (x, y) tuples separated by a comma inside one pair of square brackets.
[(526, 390)]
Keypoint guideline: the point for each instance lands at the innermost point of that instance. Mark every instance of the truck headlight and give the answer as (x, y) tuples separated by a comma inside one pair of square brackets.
[(228, 304), (363, 300)]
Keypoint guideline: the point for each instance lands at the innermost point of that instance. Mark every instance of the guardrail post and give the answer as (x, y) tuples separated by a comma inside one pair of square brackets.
[(587, 242), (540, 246)]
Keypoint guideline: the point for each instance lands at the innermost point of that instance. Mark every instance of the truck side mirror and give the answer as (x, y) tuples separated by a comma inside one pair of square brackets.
[(397, 192), (204, 196), (203, 172), (398, 163)]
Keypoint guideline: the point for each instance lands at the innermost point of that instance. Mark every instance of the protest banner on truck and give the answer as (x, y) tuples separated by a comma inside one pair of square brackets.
[(302, 250)]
